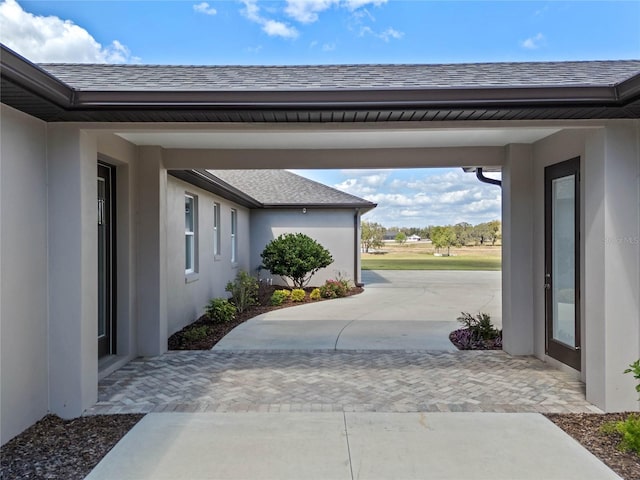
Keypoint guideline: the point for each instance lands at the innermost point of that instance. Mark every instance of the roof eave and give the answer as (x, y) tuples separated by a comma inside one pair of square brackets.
[(21, 71), (317, 206), (212, 184)]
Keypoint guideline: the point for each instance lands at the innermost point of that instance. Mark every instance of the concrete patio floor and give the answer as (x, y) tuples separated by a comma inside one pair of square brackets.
[(366, 387), (399, 310)]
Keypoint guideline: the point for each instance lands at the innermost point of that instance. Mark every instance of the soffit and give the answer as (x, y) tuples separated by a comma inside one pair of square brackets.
[(337, 139)]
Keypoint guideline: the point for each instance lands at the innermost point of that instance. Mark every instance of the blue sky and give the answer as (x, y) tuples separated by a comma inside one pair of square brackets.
[(335, 31)]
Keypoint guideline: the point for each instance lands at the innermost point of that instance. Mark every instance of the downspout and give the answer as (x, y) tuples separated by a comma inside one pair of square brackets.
[(492, 181), (356, 246)]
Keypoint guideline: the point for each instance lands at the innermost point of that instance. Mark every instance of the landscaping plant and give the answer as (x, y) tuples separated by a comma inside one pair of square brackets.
[(478, 333), (298, 295), (295, 256), (197, 333), (279, 297), (244, 291), (220, 310), (629, 428), (315, 294)]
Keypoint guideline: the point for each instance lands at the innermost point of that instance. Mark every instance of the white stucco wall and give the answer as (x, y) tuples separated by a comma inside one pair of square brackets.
[(122, 155), (188, 294), (333, 229), (557, 148), (24, 364), (610, 255)]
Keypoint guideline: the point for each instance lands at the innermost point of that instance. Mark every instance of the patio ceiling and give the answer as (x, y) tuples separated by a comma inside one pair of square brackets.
[(333, 138)]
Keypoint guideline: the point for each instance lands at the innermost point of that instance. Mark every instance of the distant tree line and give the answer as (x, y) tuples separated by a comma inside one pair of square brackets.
[(447, 236)]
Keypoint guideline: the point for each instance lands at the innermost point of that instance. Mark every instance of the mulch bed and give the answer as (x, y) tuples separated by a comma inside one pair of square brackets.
[(585, 428), (216, 331), (66, 449), (494, 344)]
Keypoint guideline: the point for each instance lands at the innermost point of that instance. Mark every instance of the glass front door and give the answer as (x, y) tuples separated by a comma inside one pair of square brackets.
[(562, 272)]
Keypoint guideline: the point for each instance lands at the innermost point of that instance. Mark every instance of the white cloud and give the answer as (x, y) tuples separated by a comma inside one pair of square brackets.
[(425, 199), (386, 35), (52, 39), (328, 47), (534, 42), (256, 49), (355, 4), (390, 33), (273, 28), (306, 11), (205, 8)]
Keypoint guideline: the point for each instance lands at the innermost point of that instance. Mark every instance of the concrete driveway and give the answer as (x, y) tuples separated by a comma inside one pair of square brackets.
[(399, 310)]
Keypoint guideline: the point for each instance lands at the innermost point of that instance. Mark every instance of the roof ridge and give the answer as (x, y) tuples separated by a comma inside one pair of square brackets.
[(335, 65)]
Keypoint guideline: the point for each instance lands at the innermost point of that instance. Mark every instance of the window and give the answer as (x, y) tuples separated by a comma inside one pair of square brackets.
[(216, 229), (190, 233), (234, 236)]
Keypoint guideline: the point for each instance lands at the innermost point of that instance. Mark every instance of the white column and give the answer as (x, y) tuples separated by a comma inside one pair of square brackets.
[(612, 264), (151, 264), (73, 276), (517, 251)]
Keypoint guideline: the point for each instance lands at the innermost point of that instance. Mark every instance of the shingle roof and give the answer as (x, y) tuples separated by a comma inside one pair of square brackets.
[(280, 188), (335, 77)]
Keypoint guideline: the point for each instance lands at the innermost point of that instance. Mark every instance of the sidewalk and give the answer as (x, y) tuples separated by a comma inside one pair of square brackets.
[(337, 446)]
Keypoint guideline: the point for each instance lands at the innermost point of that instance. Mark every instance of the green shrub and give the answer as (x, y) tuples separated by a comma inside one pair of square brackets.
[(196, 333), (480, 326), (279, 296), (635, 369), (333, 289), (629, 429), (298, 295), (220, 310), (295, 256), (244, 291), (315, 294)]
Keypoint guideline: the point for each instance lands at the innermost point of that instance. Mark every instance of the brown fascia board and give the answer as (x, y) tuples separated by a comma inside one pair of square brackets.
[(364, 207), (212, 184), (357, 98), (629, 90), (22, 72)]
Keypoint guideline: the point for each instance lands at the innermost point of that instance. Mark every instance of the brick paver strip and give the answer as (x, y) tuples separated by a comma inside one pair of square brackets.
[(371, 381)]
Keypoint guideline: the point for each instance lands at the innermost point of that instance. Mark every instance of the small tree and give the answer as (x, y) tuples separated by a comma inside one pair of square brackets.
[(443, 237), (371, 236), (295, 256), (401, 238)]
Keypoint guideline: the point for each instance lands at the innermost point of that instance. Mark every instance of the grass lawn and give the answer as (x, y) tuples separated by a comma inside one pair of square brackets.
[(419, 256)]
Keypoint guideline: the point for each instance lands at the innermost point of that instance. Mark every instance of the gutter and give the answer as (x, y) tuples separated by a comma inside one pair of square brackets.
[(352, 98), (491, 181)]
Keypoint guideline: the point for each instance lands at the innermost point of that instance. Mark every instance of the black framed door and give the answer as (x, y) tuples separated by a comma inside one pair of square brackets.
[(106, 261), (562, 262)]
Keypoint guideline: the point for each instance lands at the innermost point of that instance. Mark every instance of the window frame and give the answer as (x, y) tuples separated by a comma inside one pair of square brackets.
[(216, 229), (234, 235), (191, 262)]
